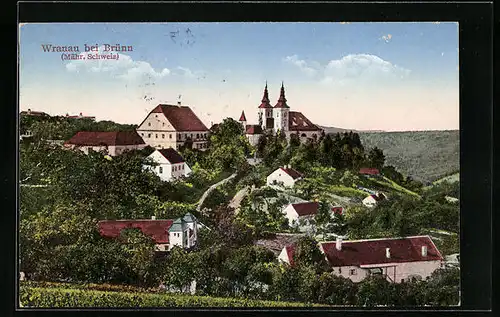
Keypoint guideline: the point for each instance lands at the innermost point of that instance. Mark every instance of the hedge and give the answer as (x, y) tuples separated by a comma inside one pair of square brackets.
[(31, 297)]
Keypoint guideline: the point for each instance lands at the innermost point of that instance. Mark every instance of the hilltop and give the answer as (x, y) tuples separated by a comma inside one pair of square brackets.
[(424, 155)]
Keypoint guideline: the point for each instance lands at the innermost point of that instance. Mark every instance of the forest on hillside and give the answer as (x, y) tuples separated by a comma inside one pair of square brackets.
[(424, 155)]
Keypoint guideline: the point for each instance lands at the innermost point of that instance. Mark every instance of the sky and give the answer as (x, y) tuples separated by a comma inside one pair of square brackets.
[(362, 76)]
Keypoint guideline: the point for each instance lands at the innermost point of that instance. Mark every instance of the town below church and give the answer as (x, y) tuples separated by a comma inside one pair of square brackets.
[(276, 211)]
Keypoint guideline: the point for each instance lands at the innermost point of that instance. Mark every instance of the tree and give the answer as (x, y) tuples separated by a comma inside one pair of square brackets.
[(376, 158), (374, 290), (180, 269), (308, 254), (139, 249), (323, 217), (336, 290)]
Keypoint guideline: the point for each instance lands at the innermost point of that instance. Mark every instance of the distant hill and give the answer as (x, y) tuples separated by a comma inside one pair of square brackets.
[(333, 130), (424, 155)]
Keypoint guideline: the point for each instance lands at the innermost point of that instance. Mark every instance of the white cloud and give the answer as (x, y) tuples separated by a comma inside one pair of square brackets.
[(353, 67), (124, 67), (387, 38), (186, 72), (308, 68), (362, 66)]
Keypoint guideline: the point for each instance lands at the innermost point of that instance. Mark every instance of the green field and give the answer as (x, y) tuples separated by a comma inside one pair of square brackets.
[(424, 155), (68, 296)]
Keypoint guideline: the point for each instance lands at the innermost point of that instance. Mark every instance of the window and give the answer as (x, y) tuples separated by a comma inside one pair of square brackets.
[(170, 135), (163, 136), (175, 168), (340, 270), (191, 135), (156, 115), (142, 134), (402, 280), (156, 135), (161, 170), (163, 124), (149, 135), (197, 135), (352, 272)]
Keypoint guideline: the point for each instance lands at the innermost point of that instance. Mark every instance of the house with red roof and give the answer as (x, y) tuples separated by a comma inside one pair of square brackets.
[(168, 164), (397, 259), (172, 126), (113, 143), (166, 233), (373, 199), (280, 118), (369, 171), (300, 214), (284, 177)]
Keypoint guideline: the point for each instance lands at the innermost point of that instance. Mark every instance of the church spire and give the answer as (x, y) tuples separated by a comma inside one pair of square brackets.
[(265, 103), (242, 117), (282, 100)]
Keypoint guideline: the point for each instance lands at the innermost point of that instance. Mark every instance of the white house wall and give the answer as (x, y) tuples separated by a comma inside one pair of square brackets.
[(157, 131), (280, 177)]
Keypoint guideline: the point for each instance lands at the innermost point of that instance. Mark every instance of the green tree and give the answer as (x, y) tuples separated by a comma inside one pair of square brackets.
[(376, 158)]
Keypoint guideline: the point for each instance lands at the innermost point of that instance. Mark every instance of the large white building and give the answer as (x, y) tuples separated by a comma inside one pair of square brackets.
[(169, 164), (397, 259), (172, 126), (279, 118)]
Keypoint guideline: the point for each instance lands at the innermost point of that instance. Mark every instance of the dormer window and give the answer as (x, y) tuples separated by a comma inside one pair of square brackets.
[(149, 123)]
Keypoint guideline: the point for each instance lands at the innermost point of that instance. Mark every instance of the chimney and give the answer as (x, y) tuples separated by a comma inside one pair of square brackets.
[(424, 250), (153, 217), (338, 243), (387, 253)]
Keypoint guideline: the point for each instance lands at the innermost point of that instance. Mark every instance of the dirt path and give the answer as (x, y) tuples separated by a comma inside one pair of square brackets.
[(209, 190)]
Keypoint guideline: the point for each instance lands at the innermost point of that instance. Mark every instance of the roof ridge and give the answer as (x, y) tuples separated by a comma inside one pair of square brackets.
[(379, 239)]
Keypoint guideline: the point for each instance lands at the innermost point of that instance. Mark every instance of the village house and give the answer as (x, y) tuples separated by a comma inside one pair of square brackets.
[(113, 143), (279, 119), (34, 113), (166, 233), (172, 126), (373, 199), (80, 116), (369, 172), (169, 163), (301, 214), (397, 259), (284, 176)]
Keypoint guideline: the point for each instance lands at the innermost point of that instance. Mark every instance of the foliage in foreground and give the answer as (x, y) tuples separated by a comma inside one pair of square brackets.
[(60, 297)]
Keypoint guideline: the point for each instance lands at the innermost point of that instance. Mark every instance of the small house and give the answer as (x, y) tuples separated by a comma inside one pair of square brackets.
[(284, 176), (169, 164), (369, 171), (301, 214), (372, 200)]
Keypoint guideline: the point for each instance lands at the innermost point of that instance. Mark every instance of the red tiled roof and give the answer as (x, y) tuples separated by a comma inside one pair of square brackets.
[(171, 155), (156, 229), (298, 122), (337, 209), (94, 138), (254, 129), (378, 197), (365, 252), (369, 171), (293, 173), (306, 208), (242, 117), (181, 117), (282, 100), (290, 252)]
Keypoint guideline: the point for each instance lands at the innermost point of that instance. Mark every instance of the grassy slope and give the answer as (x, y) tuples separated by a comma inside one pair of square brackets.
[(425, 155), (67, 296)]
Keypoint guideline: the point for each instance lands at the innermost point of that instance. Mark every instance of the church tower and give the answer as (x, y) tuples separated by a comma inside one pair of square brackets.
[(243, 120), (281, 112), (266, 112)]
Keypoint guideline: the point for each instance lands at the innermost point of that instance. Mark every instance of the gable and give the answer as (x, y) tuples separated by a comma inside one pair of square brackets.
[(156, 121), (158, 158), (281, 174)]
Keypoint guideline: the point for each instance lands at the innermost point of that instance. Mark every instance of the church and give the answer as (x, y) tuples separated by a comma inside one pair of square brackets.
[(279, 118)]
